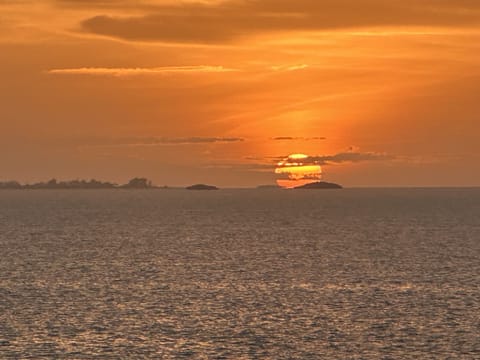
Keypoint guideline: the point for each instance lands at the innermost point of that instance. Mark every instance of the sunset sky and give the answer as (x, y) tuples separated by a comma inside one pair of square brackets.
[(379, 93)]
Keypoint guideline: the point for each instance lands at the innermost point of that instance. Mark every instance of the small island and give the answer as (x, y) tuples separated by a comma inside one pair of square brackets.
[(319, 185), (202, 187)]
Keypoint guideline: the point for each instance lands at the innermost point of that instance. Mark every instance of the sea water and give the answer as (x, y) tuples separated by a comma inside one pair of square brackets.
[(240, 274)]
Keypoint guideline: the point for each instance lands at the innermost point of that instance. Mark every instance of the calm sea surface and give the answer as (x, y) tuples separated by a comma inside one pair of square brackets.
[(240, 274)]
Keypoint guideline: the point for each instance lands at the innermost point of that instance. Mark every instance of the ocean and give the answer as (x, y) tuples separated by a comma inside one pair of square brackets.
[(240, 274)]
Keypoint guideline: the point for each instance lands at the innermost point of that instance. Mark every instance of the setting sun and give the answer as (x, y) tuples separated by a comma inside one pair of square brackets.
[(297, 170)]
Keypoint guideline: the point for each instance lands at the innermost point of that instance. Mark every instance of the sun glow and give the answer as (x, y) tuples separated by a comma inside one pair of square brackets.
[(297, 170), (297, 157)]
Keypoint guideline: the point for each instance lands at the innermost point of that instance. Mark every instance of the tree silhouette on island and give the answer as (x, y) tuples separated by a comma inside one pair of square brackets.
[(138, 183), (135, 183)]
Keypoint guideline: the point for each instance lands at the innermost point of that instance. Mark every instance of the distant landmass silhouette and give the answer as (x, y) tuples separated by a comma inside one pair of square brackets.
[(202, 187), (138, 183), (319, 185), (135, 183)]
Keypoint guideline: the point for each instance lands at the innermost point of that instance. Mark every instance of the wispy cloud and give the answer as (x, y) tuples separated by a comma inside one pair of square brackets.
[(289, 67), (344, 157), (156, 141), (186, 140), (166, 70), (269, 165), (230, 19), (292, 138), (251, 167), (352, 157)]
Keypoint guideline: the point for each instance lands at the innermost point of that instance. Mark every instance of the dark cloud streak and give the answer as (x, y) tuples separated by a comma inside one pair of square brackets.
[(344, 157), (160, 141), (202, 23), (353, 157), (292, 138)]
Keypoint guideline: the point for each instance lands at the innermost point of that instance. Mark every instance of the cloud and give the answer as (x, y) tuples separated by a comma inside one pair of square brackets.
[(191, 140), (243, 167), (107, 4), (269, 164), (352, 157), (289, 67), (157, 141), (344, 157), (231, 19), (291, 138), (141, 71)]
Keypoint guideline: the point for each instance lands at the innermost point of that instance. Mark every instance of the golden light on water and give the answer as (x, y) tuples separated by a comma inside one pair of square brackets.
[(297, 170)]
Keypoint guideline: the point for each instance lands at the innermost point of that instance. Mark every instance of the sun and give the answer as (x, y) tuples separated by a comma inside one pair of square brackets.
[(297, 170)]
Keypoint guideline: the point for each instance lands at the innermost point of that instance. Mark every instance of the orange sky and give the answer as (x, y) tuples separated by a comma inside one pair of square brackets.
[(380, 93)]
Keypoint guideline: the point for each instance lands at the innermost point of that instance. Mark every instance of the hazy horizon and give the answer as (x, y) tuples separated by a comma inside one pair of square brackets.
[(231, 187)]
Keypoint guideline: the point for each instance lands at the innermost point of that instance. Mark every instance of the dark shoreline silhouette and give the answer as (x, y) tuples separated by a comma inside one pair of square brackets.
[(135, 183), (202, 187), (319, 185)]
